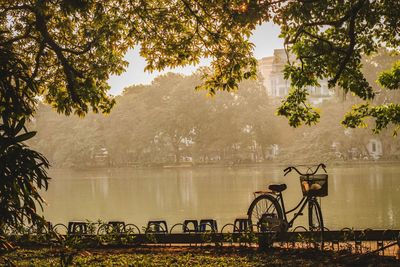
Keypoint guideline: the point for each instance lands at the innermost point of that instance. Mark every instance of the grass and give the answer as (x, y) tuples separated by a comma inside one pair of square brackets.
[(185, 256)]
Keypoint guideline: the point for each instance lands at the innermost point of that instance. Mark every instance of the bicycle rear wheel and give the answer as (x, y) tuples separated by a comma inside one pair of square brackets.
[(316, 223), (265, 214)]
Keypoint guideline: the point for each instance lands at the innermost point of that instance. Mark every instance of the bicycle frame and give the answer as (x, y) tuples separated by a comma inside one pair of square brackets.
[(302, 204)]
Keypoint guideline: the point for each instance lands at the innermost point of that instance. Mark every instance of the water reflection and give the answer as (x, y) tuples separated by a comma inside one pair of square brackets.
[(359, 196)]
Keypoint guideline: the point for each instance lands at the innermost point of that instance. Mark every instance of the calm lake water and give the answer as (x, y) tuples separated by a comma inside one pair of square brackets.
[(361, 196)]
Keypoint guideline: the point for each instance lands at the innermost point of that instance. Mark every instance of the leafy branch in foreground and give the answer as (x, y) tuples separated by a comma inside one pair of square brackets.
[(329, 40), (297, 110), (384, 114), (23, 174), (391, 79)]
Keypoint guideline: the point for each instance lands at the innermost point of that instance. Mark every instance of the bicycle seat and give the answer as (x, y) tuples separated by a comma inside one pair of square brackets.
[(277, 187)]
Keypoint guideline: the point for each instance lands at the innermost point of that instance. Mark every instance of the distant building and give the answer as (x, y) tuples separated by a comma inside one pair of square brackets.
[(374, 147), (273, 151), (366, 148), (271, 69), (101, 157)]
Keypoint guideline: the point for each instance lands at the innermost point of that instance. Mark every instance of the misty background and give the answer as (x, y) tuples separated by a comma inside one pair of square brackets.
[(167, 122)]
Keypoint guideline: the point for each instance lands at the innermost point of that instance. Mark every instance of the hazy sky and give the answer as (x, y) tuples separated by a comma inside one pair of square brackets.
[(265, 38)]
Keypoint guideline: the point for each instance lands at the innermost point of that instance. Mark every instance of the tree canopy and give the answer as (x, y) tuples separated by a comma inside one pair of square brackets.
[(65, 50), (329, 39)]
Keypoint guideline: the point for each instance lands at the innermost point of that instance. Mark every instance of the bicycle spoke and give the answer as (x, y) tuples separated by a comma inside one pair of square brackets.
[(271, 206), (257, 212)]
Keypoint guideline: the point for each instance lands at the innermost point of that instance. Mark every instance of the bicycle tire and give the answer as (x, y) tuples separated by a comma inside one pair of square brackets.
[(263, 207), (316, 222)]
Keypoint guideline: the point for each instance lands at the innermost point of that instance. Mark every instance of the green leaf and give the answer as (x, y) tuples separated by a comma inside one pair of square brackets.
[(19, 126), (24, 137)]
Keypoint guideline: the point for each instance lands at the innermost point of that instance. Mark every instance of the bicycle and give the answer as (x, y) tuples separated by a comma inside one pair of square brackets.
[(267, 212)]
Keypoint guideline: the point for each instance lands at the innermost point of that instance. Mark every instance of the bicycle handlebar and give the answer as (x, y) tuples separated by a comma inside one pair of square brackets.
[(290, 168)]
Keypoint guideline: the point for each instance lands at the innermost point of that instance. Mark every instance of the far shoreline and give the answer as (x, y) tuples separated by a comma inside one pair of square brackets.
[(228, 165)]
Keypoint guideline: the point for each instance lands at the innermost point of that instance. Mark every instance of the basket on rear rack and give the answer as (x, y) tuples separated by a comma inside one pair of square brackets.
[(314, 185)]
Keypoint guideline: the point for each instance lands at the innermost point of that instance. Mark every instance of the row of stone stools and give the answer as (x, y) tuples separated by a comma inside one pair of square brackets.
[(161, 227)]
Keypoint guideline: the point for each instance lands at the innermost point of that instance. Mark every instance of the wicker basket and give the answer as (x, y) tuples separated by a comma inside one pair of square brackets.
[(315, 185)]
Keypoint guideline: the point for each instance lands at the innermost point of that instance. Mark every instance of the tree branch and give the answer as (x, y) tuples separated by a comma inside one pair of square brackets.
[(352, 35), (70, 72)]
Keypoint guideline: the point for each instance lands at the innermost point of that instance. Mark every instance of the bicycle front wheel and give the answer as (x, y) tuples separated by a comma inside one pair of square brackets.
[(265, 214), (316, 223)]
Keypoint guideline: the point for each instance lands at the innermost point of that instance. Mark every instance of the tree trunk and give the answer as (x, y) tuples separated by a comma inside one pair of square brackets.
[(262, 151), (177, 154)]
